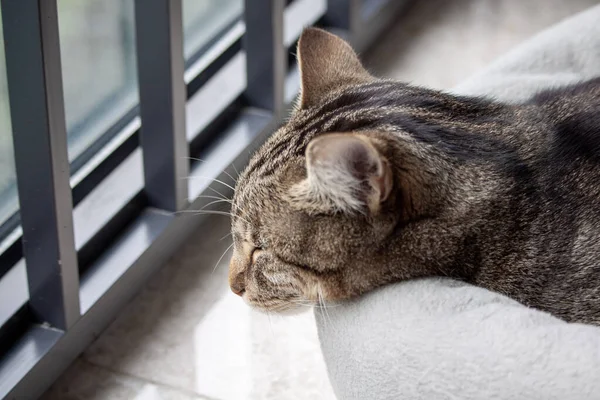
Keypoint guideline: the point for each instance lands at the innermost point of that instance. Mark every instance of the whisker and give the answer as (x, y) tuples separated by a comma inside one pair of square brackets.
[(244, 213), (201, 212), (311, 304), (209, 179), (237, 212), (213, 212), (220, 258), (224, 237), (216, 212), (206, 196), (324, 306), (236, 171), (225, 171), (300, 303), (229, 175), (322, 302), (215, 202), (270, 323), (220, 196), (265, 310), (217, 192)]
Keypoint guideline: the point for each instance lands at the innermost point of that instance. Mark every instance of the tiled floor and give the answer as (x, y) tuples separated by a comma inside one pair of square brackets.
[(187, 337)]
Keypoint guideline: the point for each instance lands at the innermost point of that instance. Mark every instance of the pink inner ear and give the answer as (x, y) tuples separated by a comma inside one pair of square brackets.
[(349, 169), (347, 154)]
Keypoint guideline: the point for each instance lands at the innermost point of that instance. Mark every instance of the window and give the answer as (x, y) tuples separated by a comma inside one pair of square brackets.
[(203, 20), (97, 45), (121, 232), (8, 182)]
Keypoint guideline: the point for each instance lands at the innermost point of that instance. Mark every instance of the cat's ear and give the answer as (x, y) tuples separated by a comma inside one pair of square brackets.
[(326, 61), (345, 172)]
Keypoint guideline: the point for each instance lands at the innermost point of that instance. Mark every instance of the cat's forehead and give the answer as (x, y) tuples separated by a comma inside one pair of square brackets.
[(285, 148), (252, 194)]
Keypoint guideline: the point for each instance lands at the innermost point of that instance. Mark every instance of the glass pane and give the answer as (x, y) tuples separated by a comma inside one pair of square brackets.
[(14, 291), (8, 183), (203, 20), (299, 14), (97, 39)]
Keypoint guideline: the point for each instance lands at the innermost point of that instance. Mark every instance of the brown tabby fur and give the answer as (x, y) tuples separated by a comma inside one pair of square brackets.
[(420, 183)]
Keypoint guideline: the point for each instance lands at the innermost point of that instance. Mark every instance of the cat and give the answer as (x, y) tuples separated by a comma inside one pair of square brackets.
[(374, 181)]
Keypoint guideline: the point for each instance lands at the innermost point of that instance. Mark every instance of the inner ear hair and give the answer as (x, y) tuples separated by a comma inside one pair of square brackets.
[(345, 173)]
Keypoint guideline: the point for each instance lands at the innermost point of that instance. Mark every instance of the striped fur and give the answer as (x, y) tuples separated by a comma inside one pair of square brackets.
[(503, 196)]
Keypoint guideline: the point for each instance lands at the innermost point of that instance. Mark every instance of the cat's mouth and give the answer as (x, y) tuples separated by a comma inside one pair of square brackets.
[(284, 302)]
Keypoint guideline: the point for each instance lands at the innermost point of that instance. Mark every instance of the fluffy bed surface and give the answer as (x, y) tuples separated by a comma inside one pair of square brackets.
[(441, 339)]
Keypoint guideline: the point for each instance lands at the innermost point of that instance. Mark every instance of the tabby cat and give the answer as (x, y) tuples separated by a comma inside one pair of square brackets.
[(373, 181)]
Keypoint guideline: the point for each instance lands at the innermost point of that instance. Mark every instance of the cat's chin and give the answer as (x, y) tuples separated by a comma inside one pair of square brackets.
[(290, 310), (295, 310)]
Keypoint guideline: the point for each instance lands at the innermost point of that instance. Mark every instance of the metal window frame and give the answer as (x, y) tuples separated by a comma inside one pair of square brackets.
[(123, 138), (143, 243), (266, 61), (42, 165), (160, 61)]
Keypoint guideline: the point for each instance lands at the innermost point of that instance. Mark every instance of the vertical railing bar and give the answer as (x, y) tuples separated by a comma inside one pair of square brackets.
[(34, 74), (266, 58), (160, 65)]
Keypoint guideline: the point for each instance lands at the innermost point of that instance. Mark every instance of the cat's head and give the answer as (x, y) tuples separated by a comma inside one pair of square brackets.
[(317, 205)]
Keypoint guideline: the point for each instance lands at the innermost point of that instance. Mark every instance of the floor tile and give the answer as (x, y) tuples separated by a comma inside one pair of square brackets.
[(84, 381), (187, 330)]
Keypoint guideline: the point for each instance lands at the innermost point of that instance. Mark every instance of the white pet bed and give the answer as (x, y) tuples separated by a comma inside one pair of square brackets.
[(441, 339)]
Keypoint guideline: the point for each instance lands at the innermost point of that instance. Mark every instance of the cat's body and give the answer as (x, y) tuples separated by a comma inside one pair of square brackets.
[(373, 181)]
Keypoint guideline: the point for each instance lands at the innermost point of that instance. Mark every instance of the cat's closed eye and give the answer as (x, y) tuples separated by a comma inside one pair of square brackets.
[(256, 253)]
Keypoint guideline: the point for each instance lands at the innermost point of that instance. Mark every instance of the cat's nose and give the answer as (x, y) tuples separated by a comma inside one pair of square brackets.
[(237, 281), (237, 288)]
